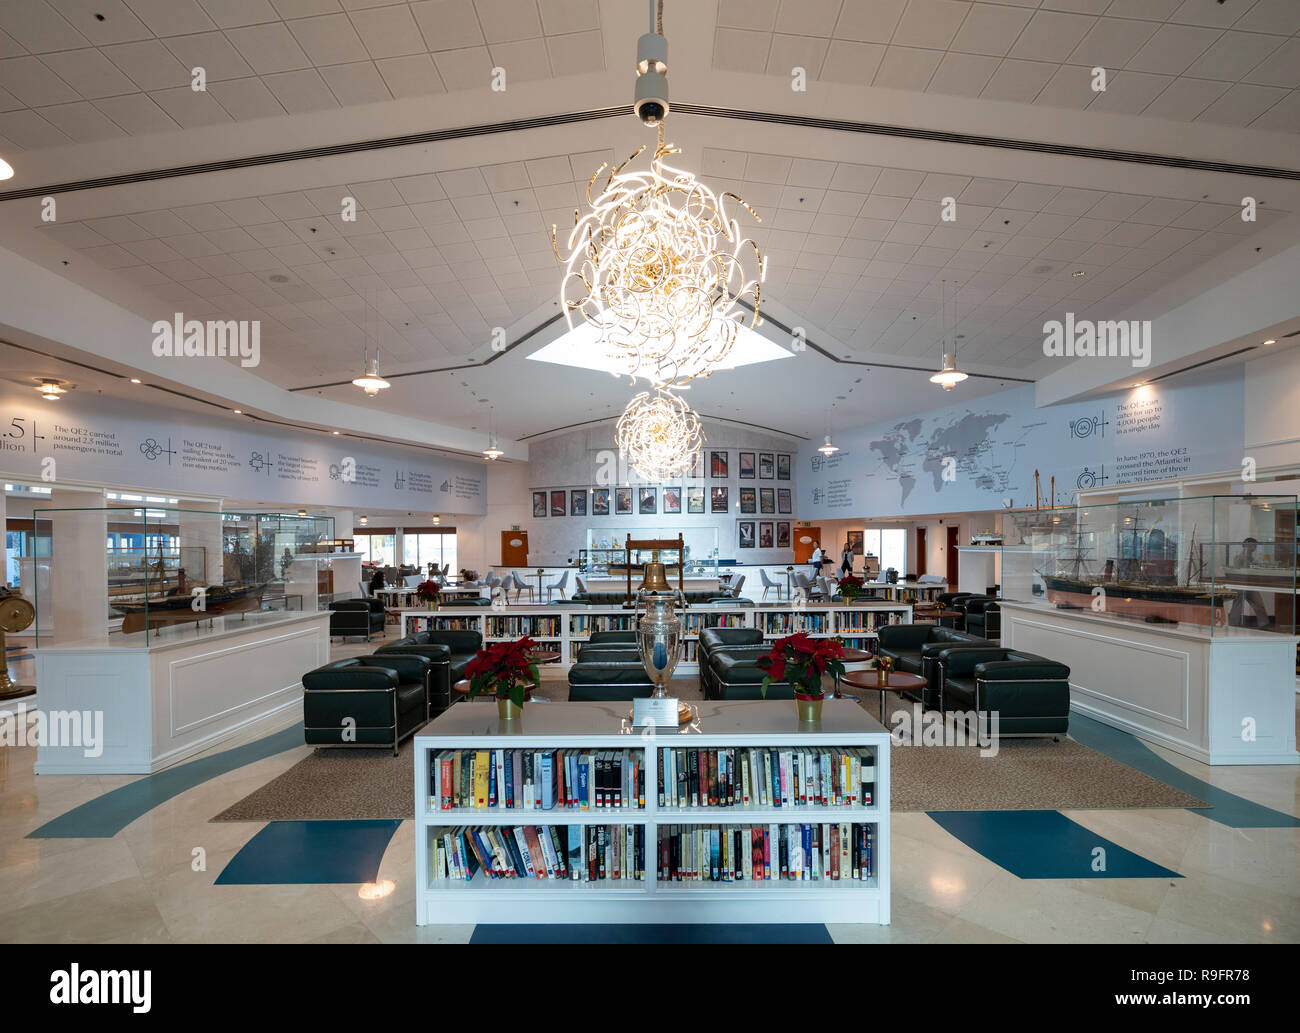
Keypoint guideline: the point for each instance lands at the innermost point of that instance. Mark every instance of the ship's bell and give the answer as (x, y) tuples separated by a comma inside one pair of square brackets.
[(656, 577)]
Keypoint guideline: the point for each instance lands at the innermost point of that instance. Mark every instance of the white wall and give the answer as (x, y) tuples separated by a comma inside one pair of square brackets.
[(478, 539), (1273, 409), (580, 459)]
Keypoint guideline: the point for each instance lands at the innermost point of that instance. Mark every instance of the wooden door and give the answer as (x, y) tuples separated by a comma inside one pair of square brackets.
[(950, 558), (922, 552), (514, 548), (803, 542)]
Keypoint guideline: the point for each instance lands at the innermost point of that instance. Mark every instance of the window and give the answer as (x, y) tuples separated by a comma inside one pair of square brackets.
[(889, 544), (420, 548), (377, 548)]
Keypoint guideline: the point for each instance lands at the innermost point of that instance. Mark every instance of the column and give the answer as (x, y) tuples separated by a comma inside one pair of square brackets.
[(201, 542), (77, 603)]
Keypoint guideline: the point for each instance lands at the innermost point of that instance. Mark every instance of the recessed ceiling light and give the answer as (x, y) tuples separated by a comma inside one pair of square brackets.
[(1271, 340), (6, 170), (135, 380), (239, 412), (336, 433), (1077, 272)]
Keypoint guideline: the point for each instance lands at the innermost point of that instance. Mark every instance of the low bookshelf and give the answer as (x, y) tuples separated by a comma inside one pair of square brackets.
[(714, 849), (565, 628)]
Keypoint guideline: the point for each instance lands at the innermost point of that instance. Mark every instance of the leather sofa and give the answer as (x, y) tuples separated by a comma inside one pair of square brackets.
[(385, 695), (911, 645), (357, 617), (613, 676), (449, 653), (714, 638), (1030, 693), (626, 638), (733, 673)]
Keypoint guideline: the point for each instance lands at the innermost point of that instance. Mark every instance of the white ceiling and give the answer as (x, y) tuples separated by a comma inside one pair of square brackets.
[(1235, 63), (452, 239)]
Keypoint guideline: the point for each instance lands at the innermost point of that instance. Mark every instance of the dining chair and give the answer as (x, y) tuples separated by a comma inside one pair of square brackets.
[(519, 586), (558, 586), (582, 585), (769, 584), (735, 589)]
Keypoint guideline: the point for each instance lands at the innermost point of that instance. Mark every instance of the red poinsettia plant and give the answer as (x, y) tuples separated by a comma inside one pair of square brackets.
[(851, 586), (428, 591), (503, 669), (801, 660)]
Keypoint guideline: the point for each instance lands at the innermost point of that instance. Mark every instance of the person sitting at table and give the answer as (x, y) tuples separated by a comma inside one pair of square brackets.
[(377, 582)]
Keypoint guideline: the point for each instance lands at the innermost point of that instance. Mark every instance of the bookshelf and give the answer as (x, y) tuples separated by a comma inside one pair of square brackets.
[(566, 628), (752, 726)]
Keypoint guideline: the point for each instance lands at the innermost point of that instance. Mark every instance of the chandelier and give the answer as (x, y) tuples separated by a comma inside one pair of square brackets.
[(657, 265), (658, 435)]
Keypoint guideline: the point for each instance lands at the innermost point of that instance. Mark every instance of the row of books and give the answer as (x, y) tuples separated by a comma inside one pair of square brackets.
[(693, 623), (827, 852), (581, 624), (581, 853), (868, 620), (767, 776), (442, 624), (517, 627), (544, 780), (788, 623)]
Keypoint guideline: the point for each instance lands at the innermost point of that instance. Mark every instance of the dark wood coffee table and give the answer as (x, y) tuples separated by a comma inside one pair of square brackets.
[(938, 616), (850, 656), (899, 681)]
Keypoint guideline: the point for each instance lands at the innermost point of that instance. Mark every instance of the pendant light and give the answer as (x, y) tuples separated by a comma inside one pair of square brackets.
[(493, 452), (828, 447), (949, 375), (370, 381)]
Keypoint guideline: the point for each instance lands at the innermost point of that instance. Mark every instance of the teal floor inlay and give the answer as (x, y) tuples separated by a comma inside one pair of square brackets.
[(297, 852), (1046, 845), (635, 933), (1226, 808), (107, 815)]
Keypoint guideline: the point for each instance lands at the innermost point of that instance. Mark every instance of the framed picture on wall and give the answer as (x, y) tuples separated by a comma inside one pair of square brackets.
[(782, 467), (696, 472), (718, 465), (600, 502), (783, 500), (748, 500), (695, 500), (746, 466), (767, 500), (648, 501), (765, 534), (855, 542), (578, 502), (765, 466), (623, 501), (557, 503), (783, 534), (539, 503), (719, 502), (746, 534), (672, 500)]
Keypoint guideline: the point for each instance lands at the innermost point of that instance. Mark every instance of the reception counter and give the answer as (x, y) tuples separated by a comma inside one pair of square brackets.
[(178, 693), (1225, 698)]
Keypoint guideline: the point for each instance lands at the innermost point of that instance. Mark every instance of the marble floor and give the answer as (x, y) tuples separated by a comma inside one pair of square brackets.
[(154, 880)]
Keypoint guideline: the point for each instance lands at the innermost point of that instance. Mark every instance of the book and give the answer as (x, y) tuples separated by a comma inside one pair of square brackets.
[(481, 778), (573, 844), (445, 788), (547, 781)]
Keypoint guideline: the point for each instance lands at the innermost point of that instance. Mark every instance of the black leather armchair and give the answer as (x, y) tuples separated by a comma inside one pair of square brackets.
[(357, 617), (910, 647), (712, 639), (602, 638), (366, 701), (1030, 693), (983, 617)]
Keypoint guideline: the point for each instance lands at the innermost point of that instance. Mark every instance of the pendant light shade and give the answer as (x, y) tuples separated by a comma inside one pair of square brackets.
[(950, 374), (828, 448), (371, 382), (493, 452)]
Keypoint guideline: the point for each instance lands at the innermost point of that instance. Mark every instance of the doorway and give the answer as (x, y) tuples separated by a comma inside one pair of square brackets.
[(922, 557), (950, 558)]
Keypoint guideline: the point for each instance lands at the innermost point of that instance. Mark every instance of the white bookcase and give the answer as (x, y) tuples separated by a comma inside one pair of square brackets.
[(566, 628), (605, 726)]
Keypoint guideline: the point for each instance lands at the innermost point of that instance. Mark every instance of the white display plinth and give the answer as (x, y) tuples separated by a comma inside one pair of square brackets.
[(1222, 698), (186, 688), (606, 726)]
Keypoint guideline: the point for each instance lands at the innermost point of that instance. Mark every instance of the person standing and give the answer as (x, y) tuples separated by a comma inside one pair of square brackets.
[(815, 560), (846, 559)]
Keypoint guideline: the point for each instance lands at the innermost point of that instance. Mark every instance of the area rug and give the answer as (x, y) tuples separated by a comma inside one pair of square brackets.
[(1026, 774)]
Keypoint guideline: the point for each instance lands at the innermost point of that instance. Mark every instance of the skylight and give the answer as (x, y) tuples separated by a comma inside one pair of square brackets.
[(578, 347)]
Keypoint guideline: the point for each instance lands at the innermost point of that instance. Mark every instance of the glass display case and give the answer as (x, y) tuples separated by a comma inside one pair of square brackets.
[(605, 553), (1213, 562), (165, 567)]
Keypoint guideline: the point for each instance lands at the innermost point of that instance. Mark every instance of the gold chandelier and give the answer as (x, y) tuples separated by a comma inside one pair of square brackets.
[(658, 266), (658, 435)]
